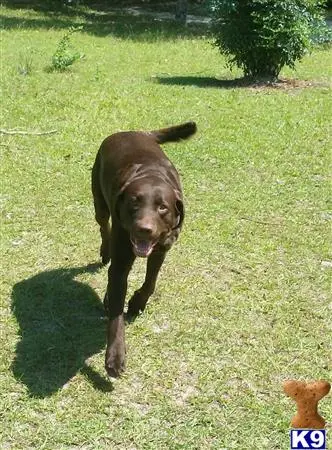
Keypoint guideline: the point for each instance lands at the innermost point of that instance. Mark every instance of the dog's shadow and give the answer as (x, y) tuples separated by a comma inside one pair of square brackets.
[(61, 324)]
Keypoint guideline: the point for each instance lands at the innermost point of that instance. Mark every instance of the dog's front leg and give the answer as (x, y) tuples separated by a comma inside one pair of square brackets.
[(114, 304), (138, 301)]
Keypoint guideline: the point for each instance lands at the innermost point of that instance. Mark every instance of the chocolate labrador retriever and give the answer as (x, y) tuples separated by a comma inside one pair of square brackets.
[(135, 184)]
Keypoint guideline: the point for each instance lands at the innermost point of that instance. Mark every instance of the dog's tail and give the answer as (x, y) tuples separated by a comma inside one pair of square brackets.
[(174, 134)]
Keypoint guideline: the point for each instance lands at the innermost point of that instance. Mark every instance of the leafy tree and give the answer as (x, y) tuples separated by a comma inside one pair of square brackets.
[(262, 36)]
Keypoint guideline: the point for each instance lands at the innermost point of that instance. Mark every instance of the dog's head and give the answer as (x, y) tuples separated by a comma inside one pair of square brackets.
[(151, 211)]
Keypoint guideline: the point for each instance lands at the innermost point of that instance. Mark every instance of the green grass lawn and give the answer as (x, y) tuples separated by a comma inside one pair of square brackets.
[(242, 302)]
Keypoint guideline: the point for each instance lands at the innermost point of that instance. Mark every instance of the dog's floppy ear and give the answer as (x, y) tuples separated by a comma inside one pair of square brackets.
[(117, 204), (179, 208), (128, 175)]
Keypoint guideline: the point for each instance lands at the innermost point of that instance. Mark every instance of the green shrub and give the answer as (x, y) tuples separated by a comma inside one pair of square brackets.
[(65, 55), (262, 36)]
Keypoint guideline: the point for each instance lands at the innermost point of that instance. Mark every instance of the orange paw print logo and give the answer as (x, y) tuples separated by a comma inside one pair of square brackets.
[(307, 396)]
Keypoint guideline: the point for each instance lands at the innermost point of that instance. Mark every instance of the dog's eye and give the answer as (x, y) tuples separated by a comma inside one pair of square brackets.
[(134, 202), (162, 208)]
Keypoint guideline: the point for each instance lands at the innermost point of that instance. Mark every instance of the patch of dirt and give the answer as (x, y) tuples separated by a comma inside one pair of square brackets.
[(286, 84), (281, 83), (244, 82)]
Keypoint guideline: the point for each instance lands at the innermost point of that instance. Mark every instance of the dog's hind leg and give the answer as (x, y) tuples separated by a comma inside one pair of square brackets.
[(102, 215)]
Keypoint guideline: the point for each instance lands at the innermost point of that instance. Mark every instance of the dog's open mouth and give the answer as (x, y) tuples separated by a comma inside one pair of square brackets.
[(142, 248)]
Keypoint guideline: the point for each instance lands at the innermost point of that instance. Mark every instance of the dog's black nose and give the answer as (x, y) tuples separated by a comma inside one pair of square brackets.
[(145, 228)]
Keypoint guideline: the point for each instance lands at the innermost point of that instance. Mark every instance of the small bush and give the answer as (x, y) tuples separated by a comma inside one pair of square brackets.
[(65, 55), (262, 36)]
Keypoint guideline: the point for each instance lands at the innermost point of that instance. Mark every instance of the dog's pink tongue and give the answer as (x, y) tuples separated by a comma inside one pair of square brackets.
[(142, 248)]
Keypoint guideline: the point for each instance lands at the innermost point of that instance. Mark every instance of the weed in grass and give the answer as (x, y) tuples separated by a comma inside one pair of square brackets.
[(25, 64), (65, 55), (97, 76)]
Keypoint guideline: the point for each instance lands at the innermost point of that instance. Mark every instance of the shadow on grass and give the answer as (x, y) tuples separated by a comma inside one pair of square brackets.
[(262, 83), (205, 82), (61, 325), (105, 19)]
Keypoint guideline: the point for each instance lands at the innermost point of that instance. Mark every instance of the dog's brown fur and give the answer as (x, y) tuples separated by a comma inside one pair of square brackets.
[(135, 184)]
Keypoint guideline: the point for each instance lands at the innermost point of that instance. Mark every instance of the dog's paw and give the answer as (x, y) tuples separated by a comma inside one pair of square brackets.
[(136, 304), (105, 260), (105, 253), (115, 363)]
